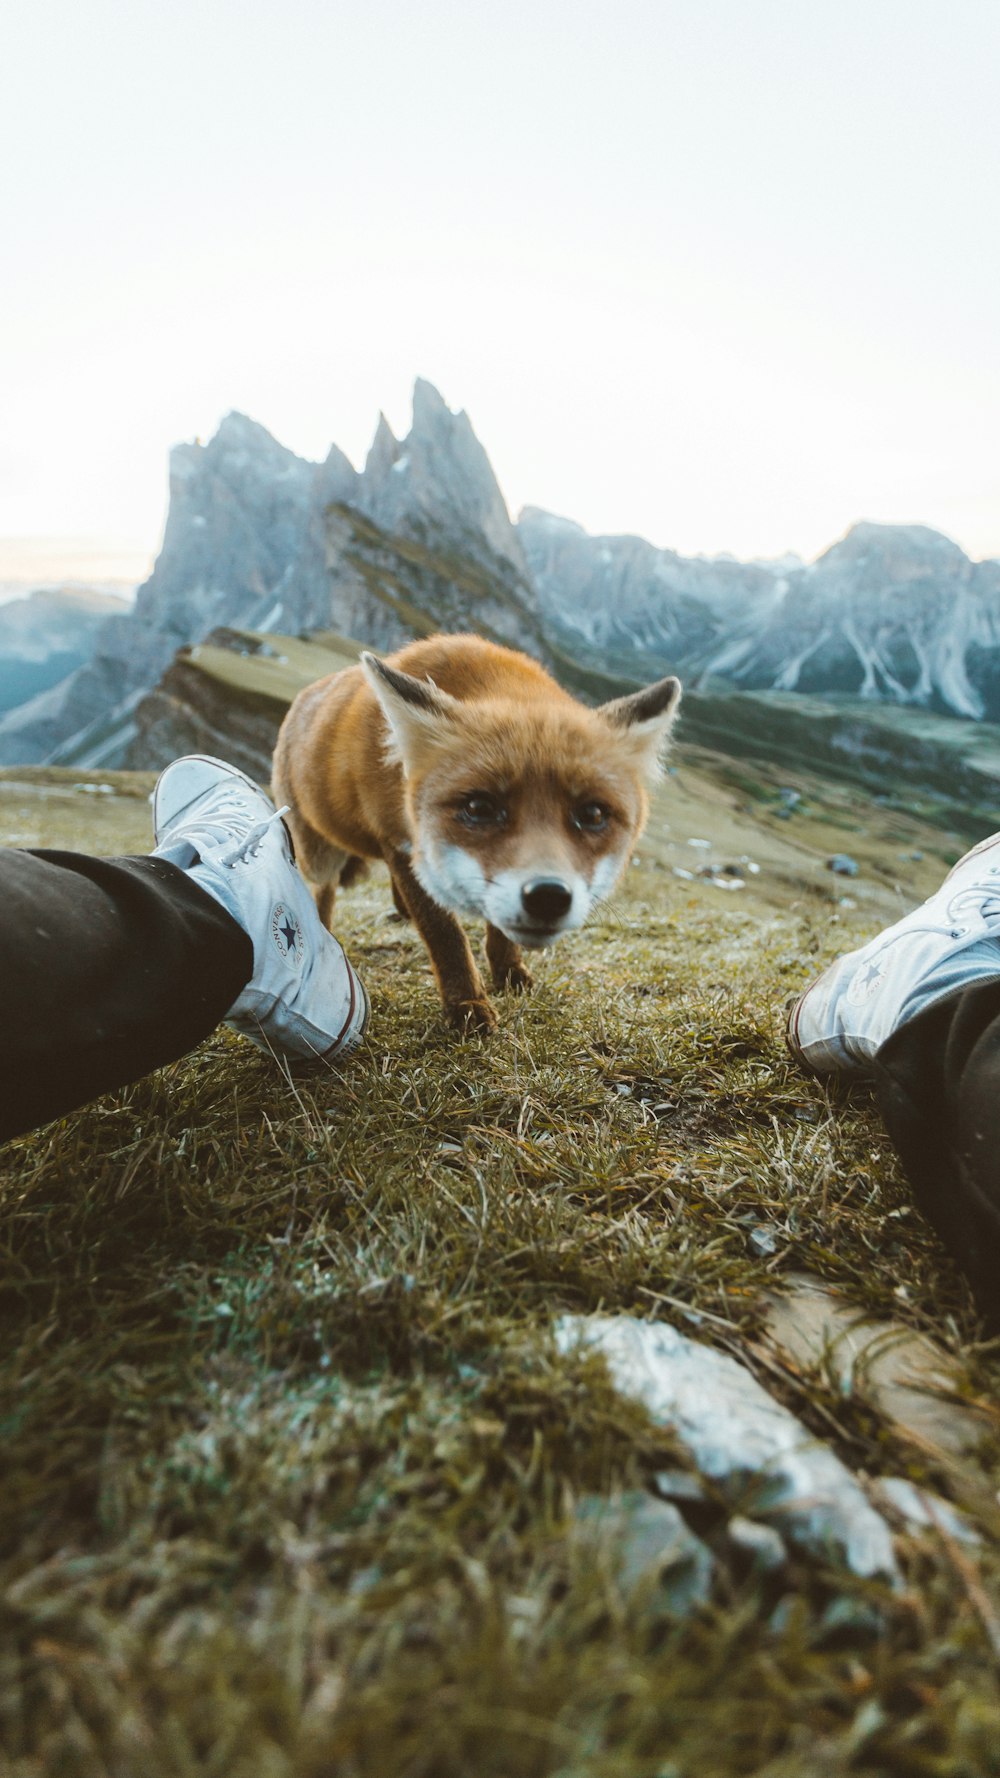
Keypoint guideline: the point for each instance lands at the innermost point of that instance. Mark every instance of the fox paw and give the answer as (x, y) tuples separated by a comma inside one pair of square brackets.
[(517, 978), (473, 1015)]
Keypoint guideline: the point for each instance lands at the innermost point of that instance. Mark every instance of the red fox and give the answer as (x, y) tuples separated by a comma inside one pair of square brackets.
[(487, 789)]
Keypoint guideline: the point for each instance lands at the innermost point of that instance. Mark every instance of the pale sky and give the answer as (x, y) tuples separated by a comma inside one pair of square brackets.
[(725, 273)]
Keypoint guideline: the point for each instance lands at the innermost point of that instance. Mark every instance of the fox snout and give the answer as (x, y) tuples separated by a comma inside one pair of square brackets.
[(535, 911), (530, 901), (546, 899)]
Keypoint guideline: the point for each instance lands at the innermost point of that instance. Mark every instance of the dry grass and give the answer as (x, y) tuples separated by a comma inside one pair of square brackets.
[(291, 1462)]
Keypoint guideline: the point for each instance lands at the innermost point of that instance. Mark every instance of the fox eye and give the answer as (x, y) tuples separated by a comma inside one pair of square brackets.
[(480, 809), (591, 817)]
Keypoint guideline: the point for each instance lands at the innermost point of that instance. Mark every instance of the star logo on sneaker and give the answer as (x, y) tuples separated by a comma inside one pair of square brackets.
[(286, 934), (864, 983)]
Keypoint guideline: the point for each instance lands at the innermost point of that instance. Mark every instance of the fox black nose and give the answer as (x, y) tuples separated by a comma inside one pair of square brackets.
[(546, 898)]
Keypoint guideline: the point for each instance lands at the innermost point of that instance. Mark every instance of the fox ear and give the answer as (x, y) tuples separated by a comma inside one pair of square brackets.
[(646, 717), (417, 712)]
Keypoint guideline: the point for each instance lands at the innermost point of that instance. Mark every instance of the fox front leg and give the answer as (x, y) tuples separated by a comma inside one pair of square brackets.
[(326, 896), (507, 966), (460, 983)]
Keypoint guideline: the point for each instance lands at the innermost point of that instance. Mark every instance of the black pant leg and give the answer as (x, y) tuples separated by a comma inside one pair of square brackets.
[(108, 968), (938, 1086)]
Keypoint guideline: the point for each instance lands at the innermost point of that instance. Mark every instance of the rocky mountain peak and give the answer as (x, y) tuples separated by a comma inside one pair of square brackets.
[(240, 430), (430, 408), (535, 517), (336, 476), (891, 548), (241, 452), (383, 454), (438, 482)]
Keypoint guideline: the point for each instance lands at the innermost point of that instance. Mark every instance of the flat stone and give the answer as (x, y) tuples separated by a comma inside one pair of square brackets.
[(905, 1375), (760, 1455)]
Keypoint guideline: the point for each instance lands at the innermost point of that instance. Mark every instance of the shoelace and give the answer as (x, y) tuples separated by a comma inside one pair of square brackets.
[(229, 811), (250, 844)]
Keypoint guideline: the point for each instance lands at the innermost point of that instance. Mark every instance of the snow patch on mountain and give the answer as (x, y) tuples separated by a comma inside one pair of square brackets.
[(889, 612)]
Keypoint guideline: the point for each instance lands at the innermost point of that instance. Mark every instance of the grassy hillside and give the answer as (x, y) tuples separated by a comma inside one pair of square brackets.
[(942, 769), (296, 1482), (229, 694)]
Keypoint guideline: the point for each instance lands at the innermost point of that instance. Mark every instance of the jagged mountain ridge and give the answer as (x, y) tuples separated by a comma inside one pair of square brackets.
[(244, 540), (260, 539), (889, 613)]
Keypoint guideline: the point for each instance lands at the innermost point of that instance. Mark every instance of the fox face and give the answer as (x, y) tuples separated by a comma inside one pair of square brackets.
[(521, 811)]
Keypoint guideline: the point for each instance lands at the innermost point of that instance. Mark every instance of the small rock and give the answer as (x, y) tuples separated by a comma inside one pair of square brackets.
[(679, 1484), (703, 845), (763, 1239), (842, 865), (848, 1620), (790, 798), (652, 1550), (523, 1613), (761, 1543), (739, 1436), (687, 876), (723, 876), (921, 1510)]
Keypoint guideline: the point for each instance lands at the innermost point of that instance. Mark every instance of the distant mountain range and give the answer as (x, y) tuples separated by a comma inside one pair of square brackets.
[(258, 539), (892, 612), (47, 634)]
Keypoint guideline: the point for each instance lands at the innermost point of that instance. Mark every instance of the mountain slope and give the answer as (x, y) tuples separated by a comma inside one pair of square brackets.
[(258, 538), (46, 635), (243, 541), (891, 613)]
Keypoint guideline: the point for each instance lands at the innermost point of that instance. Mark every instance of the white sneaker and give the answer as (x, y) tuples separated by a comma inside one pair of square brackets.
[(950, 942), (303, 998)]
